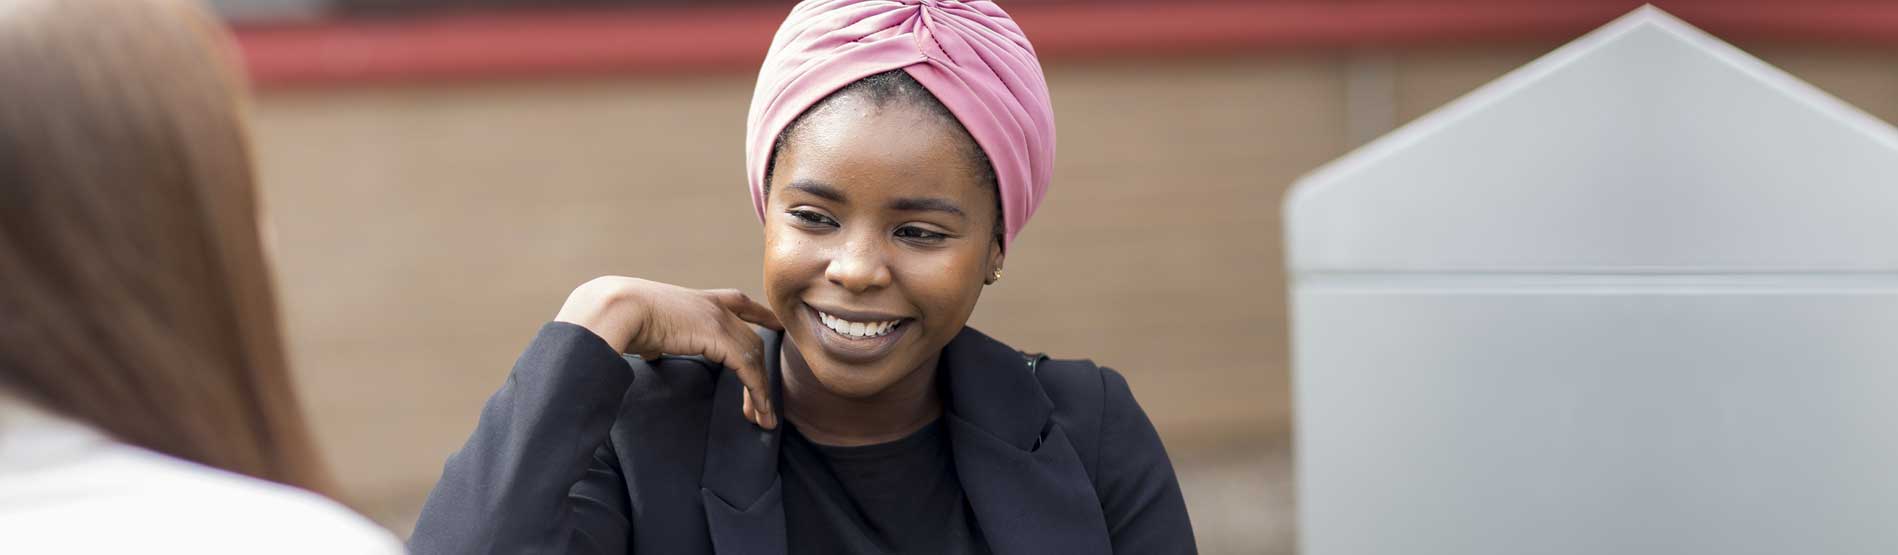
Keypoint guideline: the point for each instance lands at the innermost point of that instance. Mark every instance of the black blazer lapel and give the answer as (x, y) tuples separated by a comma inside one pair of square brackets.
[(1028, 488), (744, 503)]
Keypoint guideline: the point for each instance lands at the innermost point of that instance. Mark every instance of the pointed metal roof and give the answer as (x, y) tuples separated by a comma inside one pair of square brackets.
[(1645, 146)]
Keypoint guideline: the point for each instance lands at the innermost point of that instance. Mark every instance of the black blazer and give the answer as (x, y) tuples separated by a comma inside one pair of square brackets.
[(585, 450)]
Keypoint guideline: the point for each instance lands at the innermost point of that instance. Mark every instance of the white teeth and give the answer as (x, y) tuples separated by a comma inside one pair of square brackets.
[(860, 330)]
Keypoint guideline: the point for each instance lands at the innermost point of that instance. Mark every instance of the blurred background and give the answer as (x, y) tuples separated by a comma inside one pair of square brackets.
[(441, 173)]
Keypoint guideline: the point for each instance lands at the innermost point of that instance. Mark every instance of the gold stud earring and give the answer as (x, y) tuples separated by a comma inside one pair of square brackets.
[(995, 277)]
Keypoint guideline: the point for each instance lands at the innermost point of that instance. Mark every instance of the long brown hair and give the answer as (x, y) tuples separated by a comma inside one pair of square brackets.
[(133, 289)]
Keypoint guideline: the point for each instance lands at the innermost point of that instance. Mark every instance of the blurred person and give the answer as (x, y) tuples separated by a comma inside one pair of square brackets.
[(895, 149), (144, 401)]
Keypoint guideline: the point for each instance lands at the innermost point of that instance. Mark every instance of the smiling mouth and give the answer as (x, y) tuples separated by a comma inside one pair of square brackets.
[(854, 343), (858, 330)]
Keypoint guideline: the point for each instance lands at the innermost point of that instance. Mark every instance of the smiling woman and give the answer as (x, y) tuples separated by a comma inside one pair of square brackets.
[(870, 255), (896, 149)]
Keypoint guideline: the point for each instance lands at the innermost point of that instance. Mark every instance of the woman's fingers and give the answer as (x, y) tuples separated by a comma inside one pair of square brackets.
[(672, 319), (740, 350), (750, 413), (757, 382), (752, 372), (746, 309)]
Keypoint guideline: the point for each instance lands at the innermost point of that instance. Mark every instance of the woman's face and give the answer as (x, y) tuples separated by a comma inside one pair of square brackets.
[(878, 233)]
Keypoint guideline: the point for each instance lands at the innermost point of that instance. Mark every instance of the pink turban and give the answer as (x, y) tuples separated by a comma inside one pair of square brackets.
[(970, 55)]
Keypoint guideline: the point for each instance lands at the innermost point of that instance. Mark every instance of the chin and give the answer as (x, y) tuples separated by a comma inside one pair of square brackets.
[(851, 383), (854, 381)]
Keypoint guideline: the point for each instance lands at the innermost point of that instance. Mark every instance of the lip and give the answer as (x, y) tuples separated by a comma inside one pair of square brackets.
[(851, 350)]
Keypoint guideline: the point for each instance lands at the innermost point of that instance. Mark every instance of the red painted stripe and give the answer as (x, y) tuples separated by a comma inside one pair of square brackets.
[(497, 45), (725, 39)]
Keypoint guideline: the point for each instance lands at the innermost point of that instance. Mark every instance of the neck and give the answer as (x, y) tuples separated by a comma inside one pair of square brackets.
[(827, 418)]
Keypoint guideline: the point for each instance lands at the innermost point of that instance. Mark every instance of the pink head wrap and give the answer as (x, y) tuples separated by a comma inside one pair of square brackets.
[(970, 55)]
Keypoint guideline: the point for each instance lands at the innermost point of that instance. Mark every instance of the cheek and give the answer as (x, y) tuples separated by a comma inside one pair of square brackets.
[(947, 285), (791, 262)]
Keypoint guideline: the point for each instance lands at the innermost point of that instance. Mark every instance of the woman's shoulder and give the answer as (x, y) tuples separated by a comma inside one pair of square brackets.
[(1081, 385), (1095, 407), (1076, 386), (115, 497)]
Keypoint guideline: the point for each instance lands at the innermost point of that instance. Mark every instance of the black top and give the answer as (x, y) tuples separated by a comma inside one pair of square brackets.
[(582, 450), (896, 497)]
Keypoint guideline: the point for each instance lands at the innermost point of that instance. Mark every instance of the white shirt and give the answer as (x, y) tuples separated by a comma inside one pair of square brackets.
[(67, 488)]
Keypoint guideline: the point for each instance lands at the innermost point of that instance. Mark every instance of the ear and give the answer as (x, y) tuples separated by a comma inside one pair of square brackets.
[(994, 261)]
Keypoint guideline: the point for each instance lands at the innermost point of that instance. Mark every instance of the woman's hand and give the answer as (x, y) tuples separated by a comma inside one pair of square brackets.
[(647, 318)]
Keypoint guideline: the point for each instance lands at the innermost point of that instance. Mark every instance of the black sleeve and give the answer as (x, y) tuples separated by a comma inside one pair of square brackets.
[(1139, 494), (538, 475)]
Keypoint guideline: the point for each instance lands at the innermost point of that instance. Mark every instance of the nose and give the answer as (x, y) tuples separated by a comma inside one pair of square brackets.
[(860, 266)]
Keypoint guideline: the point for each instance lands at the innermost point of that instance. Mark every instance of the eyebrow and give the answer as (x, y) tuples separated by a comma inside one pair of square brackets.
[(927, 205), (821, 190), (912, 204)]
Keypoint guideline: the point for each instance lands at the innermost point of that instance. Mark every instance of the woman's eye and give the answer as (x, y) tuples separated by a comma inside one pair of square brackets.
[(919, 234), (812, 218)]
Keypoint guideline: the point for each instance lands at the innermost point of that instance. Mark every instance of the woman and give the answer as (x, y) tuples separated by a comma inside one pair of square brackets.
[(144, 403), (895, 150)]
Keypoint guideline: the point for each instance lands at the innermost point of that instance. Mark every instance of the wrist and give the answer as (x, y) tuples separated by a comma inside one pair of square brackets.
[(608, 307)]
